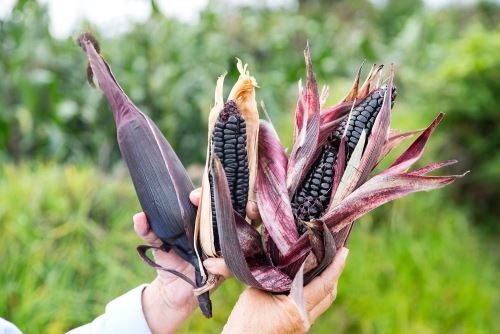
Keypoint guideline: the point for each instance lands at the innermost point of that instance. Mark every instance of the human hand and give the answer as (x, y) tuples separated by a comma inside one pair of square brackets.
[(168, 301), (258, 311), (167, 296)]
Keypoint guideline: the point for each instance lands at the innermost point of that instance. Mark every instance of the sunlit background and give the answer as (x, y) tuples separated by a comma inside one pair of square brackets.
[(428, 263)]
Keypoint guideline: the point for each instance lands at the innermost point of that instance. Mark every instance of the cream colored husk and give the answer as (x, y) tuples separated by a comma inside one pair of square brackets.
[(243, 94)]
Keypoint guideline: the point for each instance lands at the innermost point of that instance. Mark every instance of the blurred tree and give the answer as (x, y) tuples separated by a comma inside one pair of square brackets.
[(44, 112), (48, 112), (394, 14), (466, 86)]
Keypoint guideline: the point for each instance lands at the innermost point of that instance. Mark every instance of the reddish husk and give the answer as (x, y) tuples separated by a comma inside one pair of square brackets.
[(286, 255)]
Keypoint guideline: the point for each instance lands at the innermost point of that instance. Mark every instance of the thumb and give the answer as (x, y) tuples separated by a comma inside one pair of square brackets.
[(217, 266)]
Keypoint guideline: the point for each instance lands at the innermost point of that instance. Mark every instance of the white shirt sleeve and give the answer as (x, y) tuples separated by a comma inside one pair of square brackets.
[(122, 315), (8, 327)]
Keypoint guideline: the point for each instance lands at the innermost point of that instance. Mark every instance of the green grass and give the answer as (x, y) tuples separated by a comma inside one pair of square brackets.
[(416, 266)]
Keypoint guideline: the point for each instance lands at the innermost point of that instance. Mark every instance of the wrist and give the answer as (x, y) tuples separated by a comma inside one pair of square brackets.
[(160, 315), (257, 311)]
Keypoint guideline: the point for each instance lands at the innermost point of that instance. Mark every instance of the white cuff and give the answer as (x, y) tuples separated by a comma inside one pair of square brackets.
[(8, 327), (123, 315)]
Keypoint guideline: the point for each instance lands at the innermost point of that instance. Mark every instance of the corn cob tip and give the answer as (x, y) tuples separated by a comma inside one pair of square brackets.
[(82, 40), (307, 56), (353, 93), (88, 37)]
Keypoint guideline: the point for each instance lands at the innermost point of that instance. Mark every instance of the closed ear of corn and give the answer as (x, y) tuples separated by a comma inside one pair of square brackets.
[(160, 180)]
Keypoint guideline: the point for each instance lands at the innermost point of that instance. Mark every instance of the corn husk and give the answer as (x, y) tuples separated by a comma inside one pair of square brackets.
[(286, 254), (243, 94), (160, 180)]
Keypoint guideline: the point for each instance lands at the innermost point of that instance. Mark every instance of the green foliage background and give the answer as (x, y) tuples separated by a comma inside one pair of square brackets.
[(425, 264)]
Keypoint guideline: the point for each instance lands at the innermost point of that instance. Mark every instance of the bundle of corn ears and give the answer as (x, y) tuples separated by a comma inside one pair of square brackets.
[(307, 202)]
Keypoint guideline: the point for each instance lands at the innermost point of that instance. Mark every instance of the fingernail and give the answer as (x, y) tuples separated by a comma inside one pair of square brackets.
[(136, 216), (196, 192)]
